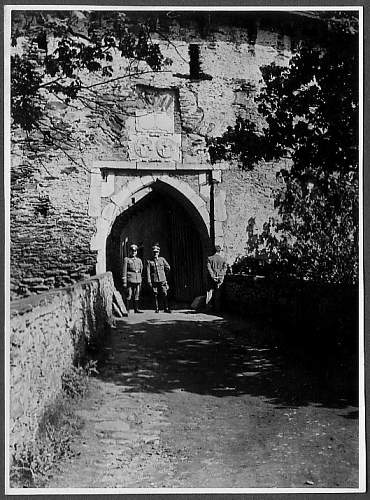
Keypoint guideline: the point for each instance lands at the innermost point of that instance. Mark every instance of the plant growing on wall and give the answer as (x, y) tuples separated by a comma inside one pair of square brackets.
[(311, 116), (64, 60)]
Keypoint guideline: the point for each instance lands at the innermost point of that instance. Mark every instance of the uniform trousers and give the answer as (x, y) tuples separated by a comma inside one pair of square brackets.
[(213, 292), (133, 290), (160, 287)]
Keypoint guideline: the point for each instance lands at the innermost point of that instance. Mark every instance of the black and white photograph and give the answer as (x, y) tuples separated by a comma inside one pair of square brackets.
[(184, 249)]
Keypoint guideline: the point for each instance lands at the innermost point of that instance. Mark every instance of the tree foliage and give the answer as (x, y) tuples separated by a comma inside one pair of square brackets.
[(63, 62), (59, 49), (310, 109)]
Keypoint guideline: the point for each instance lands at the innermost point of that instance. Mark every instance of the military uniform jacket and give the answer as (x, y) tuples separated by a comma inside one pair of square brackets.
[(132, 269), (157, 269), (217, 267)]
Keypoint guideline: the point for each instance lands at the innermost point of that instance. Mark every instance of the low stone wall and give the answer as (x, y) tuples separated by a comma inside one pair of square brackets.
[(48, 334), (302, 310)]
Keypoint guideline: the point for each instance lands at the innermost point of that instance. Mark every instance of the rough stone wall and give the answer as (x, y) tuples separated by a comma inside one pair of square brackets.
[(48, 334), (51, 226), (50, 241), (248, 195)]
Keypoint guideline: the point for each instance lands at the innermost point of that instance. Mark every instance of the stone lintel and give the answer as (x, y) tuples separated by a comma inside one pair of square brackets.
[(115, 164), (194, 166), (203, 166), (160, 166), (156, 165)]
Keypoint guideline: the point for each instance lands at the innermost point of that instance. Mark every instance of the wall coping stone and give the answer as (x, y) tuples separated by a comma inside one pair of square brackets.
[(27, 304)]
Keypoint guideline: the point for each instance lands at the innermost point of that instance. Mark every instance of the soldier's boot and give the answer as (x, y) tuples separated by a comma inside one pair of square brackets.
[(156, 308), (136, 307), (166, 307), (128, 306)]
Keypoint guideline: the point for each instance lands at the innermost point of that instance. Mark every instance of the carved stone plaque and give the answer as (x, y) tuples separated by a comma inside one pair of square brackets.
[(154, 122), (155, 147), (152, 137), (143, 147)]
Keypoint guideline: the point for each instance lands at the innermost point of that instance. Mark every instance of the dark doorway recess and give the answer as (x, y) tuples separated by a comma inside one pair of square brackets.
[(165, 217)]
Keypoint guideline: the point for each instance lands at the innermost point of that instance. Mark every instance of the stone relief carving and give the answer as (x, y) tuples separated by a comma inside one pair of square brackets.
[(155, 148), (143, 147), (157, 100), (166, 148), (152, 137)]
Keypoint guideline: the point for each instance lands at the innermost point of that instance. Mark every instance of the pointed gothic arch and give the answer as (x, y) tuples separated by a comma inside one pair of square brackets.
[(133, 193)]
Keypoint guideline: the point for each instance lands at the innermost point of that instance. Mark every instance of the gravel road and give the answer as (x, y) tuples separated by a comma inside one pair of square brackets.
[(188, 400)]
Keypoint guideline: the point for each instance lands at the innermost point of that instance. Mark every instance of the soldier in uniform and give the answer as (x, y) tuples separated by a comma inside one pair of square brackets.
[(131, 277), (216, 266), (157, 268)]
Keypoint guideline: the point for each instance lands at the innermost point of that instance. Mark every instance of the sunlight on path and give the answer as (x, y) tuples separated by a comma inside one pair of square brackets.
[(197, 400)]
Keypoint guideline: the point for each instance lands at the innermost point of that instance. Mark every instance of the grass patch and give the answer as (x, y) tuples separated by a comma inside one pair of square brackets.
[(33, 464)]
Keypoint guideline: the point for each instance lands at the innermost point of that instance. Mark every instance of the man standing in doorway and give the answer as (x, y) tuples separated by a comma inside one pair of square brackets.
[(131, 277), (157, 269), (216, 266)]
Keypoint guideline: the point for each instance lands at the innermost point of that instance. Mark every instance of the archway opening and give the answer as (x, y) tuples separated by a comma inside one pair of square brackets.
[(164, 215)]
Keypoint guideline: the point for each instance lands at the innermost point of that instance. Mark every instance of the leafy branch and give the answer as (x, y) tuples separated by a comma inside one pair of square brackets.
[(309, 114), (57, 56)]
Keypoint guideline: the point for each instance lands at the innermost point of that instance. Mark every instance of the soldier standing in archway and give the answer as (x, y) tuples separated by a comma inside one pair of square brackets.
[(131, 277), (216, 266), (157, 269)]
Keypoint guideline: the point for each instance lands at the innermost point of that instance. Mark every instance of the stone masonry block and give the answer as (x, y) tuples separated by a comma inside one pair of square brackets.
[(220, 207), (204, 191), (219, 231), (217, 175), (95, 193), (146, 180), (115, 164), (110, 212), (202, 178), (102, 229), (220, 240), (156, 165), (120, 198), (134, 186), (107, 186), (195, 164)]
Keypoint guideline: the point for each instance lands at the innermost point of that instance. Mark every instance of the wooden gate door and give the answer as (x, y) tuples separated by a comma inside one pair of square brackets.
[(187, 276), (161, 218)]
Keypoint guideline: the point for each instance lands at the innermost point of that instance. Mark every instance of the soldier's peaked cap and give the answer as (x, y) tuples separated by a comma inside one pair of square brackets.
[(133, 247), (156, 247)]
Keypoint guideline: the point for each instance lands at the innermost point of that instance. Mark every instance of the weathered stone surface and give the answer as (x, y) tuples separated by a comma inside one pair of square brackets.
[(48, 333), (202, 177), (107, 186), (220, 207), (95, 193), (195, 110), (161, 121), (204, 191), (217, 175), (156, 165)]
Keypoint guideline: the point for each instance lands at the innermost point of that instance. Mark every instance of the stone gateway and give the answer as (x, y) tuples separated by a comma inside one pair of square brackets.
[(145, 172)]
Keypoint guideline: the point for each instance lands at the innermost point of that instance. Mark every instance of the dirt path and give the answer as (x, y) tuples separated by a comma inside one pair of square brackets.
[(198, 401)]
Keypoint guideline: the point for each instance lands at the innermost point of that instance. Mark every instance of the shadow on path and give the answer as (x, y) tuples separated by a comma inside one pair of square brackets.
[(222, 356)]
